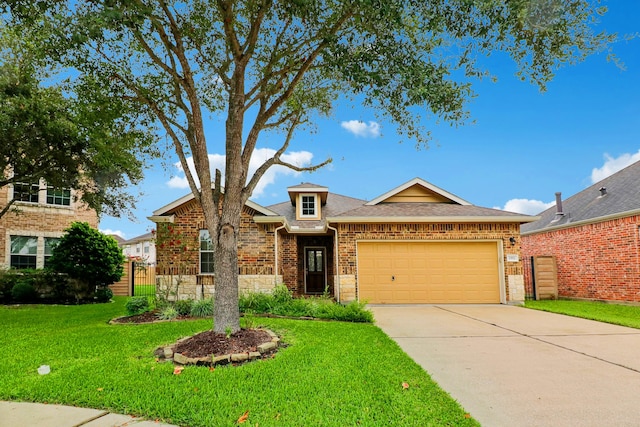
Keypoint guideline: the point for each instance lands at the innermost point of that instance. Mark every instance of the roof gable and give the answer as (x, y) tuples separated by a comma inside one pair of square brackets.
[(418, 190)]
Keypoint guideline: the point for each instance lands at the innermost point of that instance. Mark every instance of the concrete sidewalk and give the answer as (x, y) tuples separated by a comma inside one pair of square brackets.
[(23, 414), (512, 366)]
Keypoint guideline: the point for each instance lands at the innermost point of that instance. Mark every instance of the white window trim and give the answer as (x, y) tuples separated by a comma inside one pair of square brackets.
[(315, 205), (40, 235), (200, 252)]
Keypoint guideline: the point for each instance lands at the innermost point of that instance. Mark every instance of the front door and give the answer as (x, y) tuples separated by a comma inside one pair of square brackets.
[(315, 277)]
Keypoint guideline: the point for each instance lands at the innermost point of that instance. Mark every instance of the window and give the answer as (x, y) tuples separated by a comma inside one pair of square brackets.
[(49, 244), (58, 196), (206, 253), (24, 251), (308, 205), (24, 192), (146, 247)]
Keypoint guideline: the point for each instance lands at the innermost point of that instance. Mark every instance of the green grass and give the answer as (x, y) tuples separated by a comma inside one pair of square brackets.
[(331, 374), (618, 314), (145, 289)]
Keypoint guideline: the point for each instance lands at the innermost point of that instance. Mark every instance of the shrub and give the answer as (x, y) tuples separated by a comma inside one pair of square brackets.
[(183, 307), (255, 302), (93, 259), (202, 308), (281, 294), (8, 279), (104, 294), (137, 305), (23, 292), (168, 313)]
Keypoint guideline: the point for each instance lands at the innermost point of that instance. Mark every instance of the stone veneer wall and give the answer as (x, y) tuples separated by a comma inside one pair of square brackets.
[(38, 220), (599, 261), (350, 234), (193, 287)]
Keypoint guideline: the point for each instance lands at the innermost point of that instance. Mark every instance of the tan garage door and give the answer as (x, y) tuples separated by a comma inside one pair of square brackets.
[(428, 272)]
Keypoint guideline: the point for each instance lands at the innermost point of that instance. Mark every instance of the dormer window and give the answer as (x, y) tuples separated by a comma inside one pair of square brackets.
[(308, 206)]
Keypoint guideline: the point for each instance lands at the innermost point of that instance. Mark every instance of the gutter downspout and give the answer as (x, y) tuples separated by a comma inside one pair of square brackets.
[(275, 252), (335, 254)]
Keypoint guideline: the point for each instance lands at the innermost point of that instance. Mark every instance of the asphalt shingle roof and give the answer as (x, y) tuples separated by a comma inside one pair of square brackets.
[(622, 195)]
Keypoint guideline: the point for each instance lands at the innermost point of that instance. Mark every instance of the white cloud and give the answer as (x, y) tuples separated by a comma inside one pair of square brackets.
[(358, 128), (526, 206), (613, 165), (260, 155), (116, 232)]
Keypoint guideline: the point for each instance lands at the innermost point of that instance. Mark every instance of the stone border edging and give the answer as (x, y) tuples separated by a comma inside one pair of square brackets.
[(167, 353)]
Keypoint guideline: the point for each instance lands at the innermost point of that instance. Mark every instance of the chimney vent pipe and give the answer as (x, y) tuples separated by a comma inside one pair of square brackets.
[(559, 204), (603, 191)]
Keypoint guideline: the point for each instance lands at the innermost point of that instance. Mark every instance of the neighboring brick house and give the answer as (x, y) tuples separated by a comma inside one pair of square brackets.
[(414, 244), (37, 219), (140, 248), (594, 236)]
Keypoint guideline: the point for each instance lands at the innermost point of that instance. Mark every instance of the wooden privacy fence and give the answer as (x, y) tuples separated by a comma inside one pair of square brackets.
[(545, 277)]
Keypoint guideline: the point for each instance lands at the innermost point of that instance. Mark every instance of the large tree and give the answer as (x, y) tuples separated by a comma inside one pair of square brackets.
[(272, 66), (46, 135)]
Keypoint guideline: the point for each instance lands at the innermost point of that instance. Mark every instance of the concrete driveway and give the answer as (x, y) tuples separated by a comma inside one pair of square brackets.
[(511, 366)]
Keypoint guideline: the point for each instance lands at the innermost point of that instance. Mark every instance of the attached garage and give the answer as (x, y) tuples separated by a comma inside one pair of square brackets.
[(402, 272)]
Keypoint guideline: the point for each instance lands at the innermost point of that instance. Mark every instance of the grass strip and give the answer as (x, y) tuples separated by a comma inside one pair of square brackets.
[(331, 374), (617, 314)]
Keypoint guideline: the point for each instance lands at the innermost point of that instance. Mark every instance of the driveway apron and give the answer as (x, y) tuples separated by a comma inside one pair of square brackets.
[(511, 366)]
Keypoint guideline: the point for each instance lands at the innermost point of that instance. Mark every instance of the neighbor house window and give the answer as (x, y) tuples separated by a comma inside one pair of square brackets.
[(206, 252), (308, 205), (49, 244), (24, 252), (58, 196), (25, 192), (146, 247)]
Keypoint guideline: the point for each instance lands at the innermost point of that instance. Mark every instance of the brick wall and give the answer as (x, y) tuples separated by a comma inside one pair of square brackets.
[(351, 233), (598, 261), (180, 254), (38, 220)]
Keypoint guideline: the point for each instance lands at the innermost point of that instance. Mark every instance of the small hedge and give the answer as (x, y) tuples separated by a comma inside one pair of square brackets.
[(281, 303), (41, 286)]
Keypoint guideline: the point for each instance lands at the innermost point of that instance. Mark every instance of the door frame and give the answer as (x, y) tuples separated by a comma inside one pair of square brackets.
[(324, 268)]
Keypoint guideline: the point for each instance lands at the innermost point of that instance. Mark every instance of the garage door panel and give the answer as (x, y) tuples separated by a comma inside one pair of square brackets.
[(428, 272)]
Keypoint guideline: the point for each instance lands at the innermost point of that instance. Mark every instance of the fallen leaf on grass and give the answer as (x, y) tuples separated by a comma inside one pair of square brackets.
[(467, 415), (100, 389), (211, 369), (178, 370), (244, 417), (405, 386)]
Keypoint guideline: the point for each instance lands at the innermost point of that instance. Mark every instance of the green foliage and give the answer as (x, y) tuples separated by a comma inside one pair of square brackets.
[(24, 292), (202, 308), (137, 305), (281, 294), (89, 256), (104, 294), (50, 286), (281, 303), (341, 374), (168, 313), (8, 279), (183, 306)]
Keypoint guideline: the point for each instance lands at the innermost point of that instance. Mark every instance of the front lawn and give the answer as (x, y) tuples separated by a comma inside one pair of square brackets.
[(331, 374), (618, 314)]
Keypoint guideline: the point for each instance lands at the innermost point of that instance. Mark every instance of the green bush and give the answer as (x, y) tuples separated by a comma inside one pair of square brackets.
[(281, 294), (202, 308), (104, 294), (93, 259), (168, 313), (255, 302), (183, 307), (24, 292), (137, 305), (8, 279)]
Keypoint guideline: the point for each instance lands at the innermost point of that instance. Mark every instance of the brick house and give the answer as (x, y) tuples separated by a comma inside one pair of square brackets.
[(594, 237), (37, 219), (414, 244)]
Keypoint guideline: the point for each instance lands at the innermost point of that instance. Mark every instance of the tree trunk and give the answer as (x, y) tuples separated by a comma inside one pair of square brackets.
[(226, 315)]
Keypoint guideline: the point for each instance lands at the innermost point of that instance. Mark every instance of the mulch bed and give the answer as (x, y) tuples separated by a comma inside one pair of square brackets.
[(208, 343)]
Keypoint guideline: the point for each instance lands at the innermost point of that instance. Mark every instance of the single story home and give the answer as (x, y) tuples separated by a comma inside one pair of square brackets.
[(594, 236), (416, 243)]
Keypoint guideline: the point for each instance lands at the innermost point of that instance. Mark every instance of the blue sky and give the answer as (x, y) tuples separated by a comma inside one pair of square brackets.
[(523, 146)]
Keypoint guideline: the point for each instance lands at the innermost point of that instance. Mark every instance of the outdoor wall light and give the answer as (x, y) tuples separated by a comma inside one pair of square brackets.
[(512, 240)]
